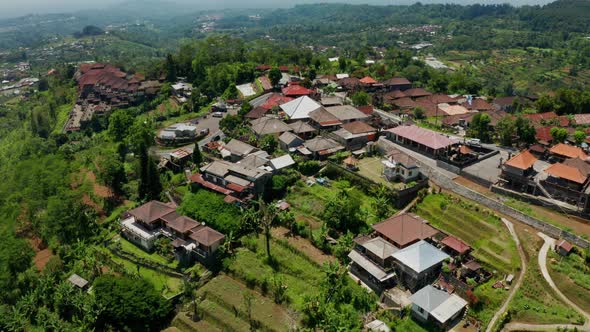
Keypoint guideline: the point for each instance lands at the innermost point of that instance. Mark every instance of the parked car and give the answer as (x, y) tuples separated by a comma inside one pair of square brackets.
[(217, 115), (474, 141)]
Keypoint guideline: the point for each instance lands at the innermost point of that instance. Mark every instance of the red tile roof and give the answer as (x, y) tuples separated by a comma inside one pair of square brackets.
[(277, 100), (367, 109), (456, 244), (478, 104), (439, 98), (405, 229), (523, 160), (422, 136), (562, 171), (543, 134), (568, 151), (151, 211), (297, 90), (563, 244), (368, 80)]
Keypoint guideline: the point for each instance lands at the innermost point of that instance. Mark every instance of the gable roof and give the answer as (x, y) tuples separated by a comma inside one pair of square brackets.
[(523, 160), (395, 155), (573, 174), (417, 92), (300, 127), (563, 244), (179, 223), (405, 229), (282, 162), (206, 236), (297, 90), (568, 151), (543, 134), (582, 165), (422, 136), (346, 112), (456, 244), (151, 211), (478, 104), (439, 304), (397, 81), (238, 148), (438, 98), (275, 100), (268, 125), (288, 138), (320, 144), (358, 127), (453, 109), (300, 107), (379, 247), (324, 118), (256, 113), (420, 256)]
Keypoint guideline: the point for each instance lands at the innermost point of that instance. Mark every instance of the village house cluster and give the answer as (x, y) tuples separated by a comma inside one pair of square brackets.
[(103, 87)]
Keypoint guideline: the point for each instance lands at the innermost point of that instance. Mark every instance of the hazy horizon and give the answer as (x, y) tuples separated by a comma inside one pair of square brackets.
[(12, 8)]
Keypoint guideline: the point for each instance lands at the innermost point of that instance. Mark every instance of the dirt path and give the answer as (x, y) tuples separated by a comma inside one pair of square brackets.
[(540, 327), (302, 245), (549, 244), (518, 283)]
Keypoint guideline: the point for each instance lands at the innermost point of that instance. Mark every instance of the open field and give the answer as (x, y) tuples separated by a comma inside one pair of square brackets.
[(572, 276), (301, 276), (309, 202), (535, 302), (168, 286), (228, 293), (372, 168), (475, 225)]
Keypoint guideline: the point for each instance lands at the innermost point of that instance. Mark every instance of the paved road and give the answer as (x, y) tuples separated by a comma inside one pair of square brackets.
[(550, 244), (518, 283)]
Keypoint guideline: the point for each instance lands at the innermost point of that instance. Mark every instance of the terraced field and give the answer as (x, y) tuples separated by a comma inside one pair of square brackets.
[(478, 227)]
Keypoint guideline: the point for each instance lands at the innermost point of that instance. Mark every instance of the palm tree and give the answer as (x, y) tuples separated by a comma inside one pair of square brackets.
[(267, 216)]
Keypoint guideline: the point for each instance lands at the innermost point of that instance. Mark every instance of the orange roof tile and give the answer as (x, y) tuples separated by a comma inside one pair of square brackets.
[(568, 151), (368, 80), (560, 170), (523, 160)]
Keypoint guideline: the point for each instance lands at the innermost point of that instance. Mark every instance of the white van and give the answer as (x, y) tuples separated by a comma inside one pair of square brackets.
[(474, 141)]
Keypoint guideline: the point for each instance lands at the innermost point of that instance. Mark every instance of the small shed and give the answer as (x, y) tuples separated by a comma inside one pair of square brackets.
[(351, 162), (563, 247), (78, 281)]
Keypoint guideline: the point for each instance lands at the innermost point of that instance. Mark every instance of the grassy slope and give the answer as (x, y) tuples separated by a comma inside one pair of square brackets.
[(534, 301), (485, 233), (300, 275), (228, 293), (476, 226), (572, 277)]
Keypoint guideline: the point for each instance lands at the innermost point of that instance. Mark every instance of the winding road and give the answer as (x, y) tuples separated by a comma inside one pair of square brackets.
[(550, 244), (518, 283)]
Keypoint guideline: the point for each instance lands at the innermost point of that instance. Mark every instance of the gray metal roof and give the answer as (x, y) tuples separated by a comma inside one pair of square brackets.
[(420, 256), (379, 247), (369, 266), (439, 304)]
